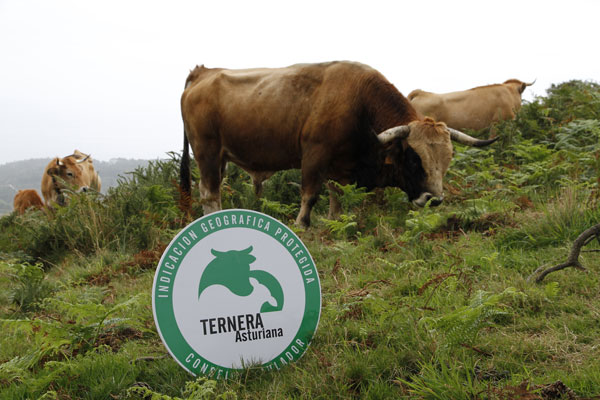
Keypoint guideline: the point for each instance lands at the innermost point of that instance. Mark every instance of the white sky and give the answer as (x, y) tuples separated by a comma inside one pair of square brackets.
[(106, 76)]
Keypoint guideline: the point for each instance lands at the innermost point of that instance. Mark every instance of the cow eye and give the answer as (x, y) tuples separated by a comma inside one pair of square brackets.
[(70, 174)]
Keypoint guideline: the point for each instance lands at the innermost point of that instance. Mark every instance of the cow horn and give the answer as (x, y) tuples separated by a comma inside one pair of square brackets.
[(217, 253), (248, 250), (529, 84), (463, 138), (59, 163), (83, 159), (401, 132)]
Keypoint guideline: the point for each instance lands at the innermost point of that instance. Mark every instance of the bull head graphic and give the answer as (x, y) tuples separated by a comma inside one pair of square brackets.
[(232, 270)]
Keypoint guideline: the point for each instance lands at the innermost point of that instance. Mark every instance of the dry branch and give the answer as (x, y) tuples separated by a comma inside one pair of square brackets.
[(149, 358), (573, 260)]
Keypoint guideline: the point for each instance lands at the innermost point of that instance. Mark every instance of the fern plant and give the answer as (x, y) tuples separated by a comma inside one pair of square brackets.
[(75, 327), (351, 196), (462, 325), (343, 227), (31, 286), (422, 221), (277, 209), (200, 389), (551, 290)]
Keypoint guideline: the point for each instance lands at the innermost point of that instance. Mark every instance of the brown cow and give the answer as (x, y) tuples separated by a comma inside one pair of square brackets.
[(74, 172), (475, 108), (25, 199), (342, 121)]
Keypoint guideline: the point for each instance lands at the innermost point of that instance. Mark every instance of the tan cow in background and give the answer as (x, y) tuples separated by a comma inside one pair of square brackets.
[(475, 108), (74, 172), (25, 199)]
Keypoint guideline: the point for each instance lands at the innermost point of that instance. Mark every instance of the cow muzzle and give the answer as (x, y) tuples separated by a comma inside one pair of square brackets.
[(425, 197), (84, 189)]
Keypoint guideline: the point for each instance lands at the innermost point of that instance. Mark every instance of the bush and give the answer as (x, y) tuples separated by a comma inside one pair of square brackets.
[(30, 287), (135, 215)]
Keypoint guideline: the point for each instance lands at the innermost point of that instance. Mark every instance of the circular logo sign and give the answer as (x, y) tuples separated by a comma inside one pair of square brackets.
[(235, 289)]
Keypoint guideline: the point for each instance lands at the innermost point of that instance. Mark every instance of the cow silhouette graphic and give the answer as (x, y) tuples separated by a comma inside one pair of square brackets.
[(232, 270)]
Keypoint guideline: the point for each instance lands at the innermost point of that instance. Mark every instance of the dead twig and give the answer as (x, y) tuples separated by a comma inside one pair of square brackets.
[(476, 349), (364, 291), (573, 260), (148, 358)]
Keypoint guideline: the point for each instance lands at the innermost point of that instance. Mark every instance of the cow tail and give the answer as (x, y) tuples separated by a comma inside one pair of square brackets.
[(185, 179)]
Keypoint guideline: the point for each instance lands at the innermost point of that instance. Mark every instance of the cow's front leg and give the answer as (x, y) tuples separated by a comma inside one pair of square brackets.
[(309, 198), (311, 185)]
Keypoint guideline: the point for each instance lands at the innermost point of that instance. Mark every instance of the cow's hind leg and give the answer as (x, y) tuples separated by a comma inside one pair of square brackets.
[(210, 196), (211, 173), (335, 207), (210, 188)]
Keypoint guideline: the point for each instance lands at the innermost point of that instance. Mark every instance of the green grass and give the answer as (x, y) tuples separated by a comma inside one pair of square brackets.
[(419, 304)]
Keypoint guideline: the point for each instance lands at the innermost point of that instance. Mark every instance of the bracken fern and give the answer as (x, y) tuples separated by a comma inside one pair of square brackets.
[(462, 325)]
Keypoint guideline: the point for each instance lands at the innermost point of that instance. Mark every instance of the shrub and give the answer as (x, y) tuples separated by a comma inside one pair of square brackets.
[(462, 326), (133, 216), (87, 324), (559, 223), (30, 287)]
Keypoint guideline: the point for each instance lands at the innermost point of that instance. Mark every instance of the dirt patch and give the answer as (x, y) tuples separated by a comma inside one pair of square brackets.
[(115, 338), (101, 279), (485, 223), (525, 391), (524, 202), (355, 311), (147, 259)]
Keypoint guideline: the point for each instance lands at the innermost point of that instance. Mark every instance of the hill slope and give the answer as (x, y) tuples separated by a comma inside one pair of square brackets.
[(27, 174), (428, 303)]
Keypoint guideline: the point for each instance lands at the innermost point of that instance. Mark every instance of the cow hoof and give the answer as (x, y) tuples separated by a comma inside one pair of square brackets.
[(303, 223)]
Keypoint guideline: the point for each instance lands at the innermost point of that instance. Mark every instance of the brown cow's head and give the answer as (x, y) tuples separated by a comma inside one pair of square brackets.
[(420, 160), (68, 173)]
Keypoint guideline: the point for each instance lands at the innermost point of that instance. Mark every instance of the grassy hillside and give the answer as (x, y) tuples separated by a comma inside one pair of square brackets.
[(417, 303), (27, 174)]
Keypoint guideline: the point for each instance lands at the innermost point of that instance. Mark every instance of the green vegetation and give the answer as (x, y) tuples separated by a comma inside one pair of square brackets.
[(28, 175), (431, 303)]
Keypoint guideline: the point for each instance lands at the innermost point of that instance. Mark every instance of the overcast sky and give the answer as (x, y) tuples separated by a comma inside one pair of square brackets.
[(105, 77)]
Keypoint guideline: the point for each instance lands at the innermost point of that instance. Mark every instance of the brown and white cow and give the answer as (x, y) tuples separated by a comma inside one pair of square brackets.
[(475, 108), (341, 121), (25, 199), (71, 173)]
